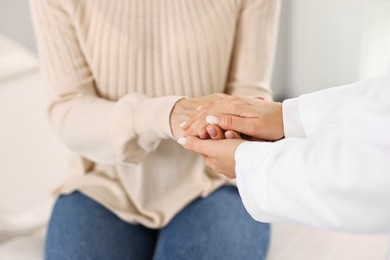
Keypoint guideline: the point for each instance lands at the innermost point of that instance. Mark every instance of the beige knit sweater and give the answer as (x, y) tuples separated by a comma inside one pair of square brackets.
[(114, 70)]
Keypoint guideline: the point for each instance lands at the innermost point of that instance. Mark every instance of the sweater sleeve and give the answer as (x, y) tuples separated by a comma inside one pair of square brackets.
[(101, 130), (254, 49)]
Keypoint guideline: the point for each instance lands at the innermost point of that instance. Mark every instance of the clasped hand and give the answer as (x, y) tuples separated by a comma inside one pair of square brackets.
[(218, 126)]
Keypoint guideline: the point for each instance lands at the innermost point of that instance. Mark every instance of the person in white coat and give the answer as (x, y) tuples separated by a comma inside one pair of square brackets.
[(330, 168)]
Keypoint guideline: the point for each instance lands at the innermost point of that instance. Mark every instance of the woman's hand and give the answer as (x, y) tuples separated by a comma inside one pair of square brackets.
[(188, 108), (216, 133), (250, 116), (218, 154)]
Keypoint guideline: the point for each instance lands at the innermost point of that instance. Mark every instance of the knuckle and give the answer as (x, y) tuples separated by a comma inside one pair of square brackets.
[(226, 121)]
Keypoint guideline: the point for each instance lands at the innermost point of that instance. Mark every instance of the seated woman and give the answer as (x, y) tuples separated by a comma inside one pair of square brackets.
[(122, 76)]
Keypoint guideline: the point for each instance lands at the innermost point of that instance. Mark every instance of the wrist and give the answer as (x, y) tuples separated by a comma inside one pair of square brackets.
[(176, 117), (280, 119)]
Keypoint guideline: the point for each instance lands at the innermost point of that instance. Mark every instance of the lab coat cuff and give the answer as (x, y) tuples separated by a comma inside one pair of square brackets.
[(291, 119), (309, 113)]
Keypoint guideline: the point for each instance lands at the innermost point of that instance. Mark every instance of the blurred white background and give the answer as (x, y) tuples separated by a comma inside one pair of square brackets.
[(15, 22), (322, 43), (325, 43)]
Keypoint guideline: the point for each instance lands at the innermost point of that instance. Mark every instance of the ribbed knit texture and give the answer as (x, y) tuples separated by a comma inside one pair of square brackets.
[(114, 71)]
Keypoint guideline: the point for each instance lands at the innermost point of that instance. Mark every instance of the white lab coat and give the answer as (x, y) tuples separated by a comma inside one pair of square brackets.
[(333, 168)]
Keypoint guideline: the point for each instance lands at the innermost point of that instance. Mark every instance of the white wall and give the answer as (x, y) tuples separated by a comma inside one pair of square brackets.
[(15, 22), (331, 42)]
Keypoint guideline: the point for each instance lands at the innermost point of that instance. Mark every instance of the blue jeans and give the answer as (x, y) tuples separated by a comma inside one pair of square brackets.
[(216, 227)]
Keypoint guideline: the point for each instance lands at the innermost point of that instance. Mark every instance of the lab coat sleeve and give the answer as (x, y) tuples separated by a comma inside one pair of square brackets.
[(315, 112), (320, 111), (337, 179)]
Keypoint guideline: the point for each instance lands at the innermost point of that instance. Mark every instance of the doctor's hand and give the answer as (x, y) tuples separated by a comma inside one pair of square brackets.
[(250, 116), (218, 154)]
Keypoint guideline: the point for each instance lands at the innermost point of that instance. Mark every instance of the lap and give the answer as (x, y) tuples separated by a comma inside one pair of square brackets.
[(81, 228), (216, 227)]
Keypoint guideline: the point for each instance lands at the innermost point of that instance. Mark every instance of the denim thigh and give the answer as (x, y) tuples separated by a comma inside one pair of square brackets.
[(216, 227), (81, 228)]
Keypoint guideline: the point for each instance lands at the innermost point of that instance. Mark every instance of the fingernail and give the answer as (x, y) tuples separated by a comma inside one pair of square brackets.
[(212, 120), (229, 134), (212, 132), (182, 140), (199, 107), (203, 134), (183, 124)]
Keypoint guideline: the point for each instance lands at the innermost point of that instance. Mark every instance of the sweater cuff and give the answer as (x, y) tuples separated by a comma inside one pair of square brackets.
[(152, 118), (291, 120)]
